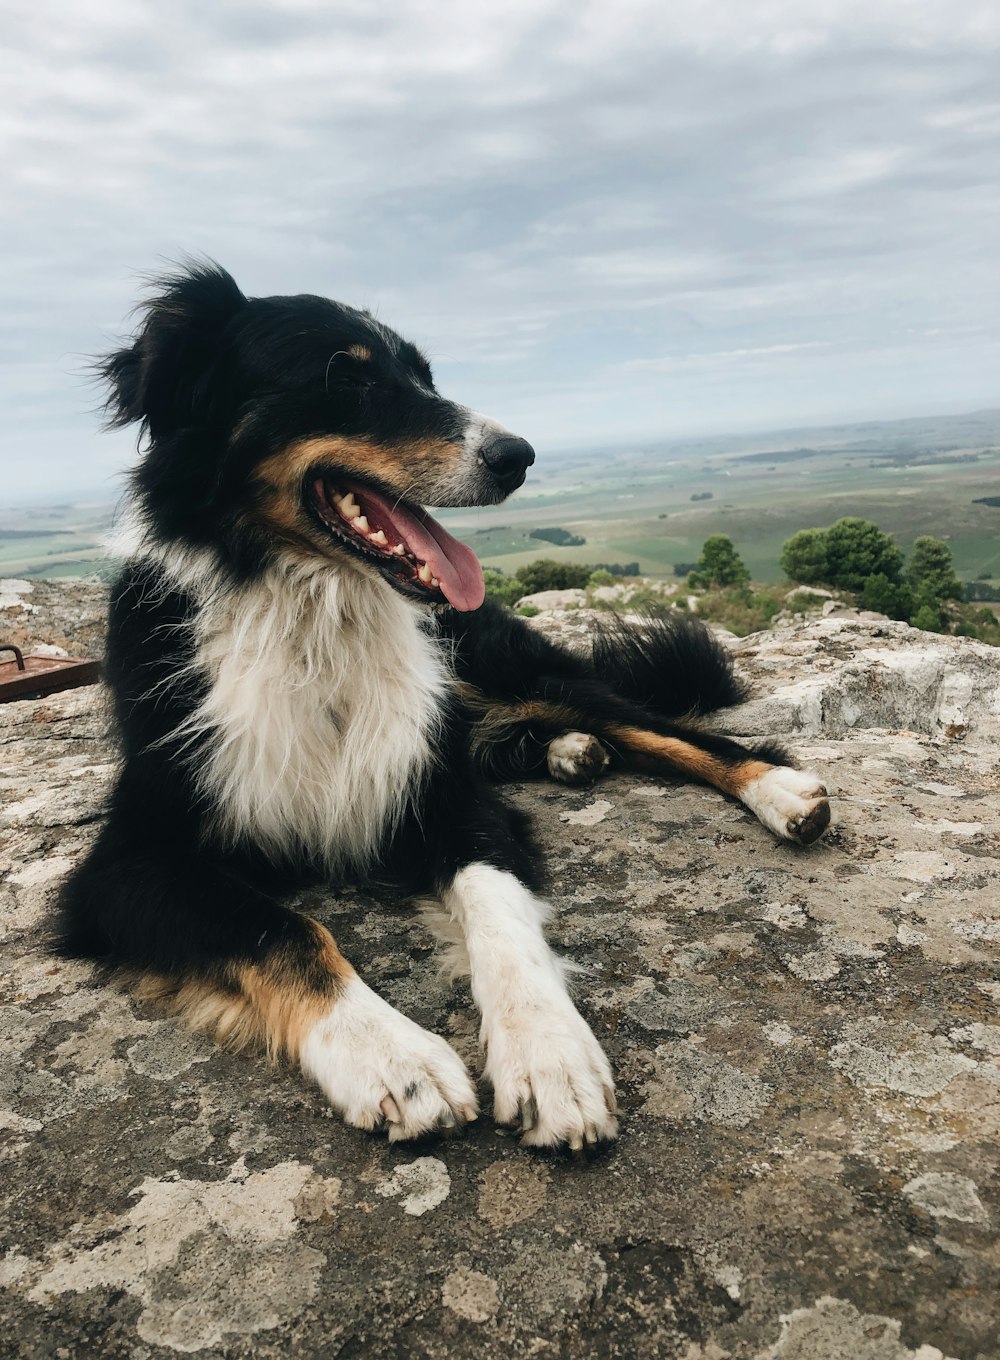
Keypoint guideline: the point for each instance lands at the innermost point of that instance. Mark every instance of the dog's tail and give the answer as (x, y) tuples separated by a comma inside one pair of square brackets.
[(669, 663)]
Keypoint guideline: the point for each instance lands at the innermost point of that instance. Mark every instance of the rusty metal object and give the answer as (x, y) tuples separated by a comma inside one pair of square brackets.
[(29, 677)]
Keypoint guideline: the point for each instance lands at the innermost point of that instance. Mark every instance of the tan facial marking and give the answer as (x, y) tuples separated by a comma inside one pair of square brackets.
[(396, 465), (400, 467), (360, 352)]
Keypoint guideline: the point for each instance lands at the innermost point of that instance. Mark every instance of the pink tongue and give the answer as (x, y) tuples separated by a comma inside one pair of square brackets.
[(456, 566)]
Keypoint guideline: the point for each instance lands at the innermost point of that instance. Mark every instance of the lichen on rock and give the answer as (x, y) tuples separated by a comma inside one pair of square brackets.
[(805, 1044)]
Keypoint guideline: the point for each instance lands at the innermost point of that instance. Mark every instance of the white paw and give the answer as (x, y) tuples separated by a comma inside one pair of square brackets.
[(576, 758), (791, 803), (377, 1067), (550, 1076)]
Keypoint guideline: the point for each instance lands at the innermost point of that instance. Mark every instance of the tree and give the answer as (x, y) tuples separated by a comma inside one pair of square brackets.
[(719, 564), (932, 573), (545, 574), (982, 589), (562, 538), (856, 549), (803, 557), (928, 618), (617, 568), (887, 597)]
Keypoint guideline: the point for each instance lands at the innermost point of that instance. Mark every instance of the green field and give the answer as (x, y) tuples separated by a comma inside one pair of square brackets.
[(54, 540), (912, 477)]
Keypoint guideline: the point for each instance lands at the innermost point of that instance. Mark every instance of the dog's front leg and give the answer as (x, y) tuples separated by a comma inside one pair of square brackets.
[(547, 1070)]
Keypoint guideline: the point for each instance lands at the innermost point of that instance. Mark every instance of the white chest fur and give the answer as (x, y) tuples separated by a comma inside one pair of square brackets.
[(324, 693)]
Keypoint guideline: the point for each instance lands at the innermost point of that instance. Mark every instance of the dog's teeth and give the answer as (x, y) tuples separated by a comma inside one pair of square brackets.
[(435, 582), (399, 550), (378, 538), (350, 511), (425, 574), (361, 522)]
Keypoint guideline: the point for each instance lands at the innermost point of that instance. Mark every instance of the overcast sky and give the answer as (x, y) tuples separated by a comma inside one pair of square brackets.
[(604, 221)]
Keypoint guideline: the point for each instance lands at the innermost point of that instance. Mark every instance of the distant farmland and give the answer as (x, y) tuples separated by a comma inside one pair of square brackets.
[(656, 504), (912, 477)]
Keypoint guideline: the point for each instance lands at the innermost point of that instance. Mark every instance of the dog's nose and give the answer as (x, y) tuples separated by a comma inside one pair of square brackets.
[(508, 457)]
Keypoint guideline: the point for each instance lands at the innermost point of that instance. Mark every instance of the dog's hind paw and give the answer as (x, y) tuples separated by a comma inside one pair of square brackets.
[(380, 1070), (577, 758), (791, 803)]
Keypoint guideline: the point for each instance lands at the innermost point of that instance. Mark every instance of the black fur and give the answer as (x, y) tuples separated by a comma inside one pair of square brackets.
[(219, 383), (672, 665), (653, 675)]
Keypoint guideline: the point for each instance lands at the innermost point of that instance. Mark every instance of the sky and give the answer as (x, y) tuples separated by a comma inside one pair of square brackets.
[(604, 222)]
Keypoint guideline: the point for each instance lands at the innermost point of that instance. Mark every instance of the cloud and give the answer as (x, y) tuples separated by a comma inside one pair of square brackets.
[(539, 195)]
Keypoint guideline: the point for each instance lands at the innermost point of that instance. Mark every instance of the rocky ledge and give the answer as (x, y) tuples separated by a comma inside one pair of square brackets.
[(806, 1045)]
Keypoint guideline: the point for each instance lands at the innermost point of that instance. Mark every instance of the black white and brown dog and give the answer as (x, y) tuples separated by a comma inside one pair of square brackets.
[(309, 689)]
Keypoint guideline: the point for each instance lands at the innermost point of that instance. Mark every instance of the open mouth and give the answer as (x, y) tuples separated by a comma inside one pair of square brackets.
[(410, 548)]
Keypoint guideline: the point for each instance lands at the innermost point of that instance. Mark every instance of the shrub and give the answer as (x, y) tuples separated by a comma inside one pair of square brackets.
[(844, 555), (804, 600), (887, 597), (502, 588), (741, 609), (647, 600), (527, 611), (545, 574), (719, 564), (803, 557), (617, 568), (928, 618), (978, 623), (856, 549), (601, 578), (562, 538), (932, 572), (982, 589)]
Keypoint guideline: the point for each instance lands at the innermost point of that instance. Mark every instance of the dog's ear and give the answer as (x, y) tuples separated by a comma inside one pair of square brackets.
[(172, 375)]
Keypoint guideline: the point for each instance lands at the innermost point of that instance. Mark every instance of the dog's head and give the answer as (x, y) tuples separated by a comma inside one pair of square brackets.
[(296, 424)]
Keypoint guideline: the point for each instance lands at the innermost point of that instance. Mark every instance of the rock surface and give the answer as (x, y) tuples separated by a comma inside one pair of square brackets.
[(806, 1044), (67, 614)]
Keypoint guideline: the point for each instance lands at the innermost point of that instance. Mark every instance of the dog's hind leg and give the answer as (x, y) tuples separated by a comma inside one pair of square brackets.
[(534, 707), (792, 803), (519, 740), (582, 729), (200, 936)]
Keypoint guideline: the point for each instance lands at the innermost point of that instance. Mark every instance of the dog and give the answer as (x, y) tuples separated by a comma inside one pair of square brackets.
[(309, 688)]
